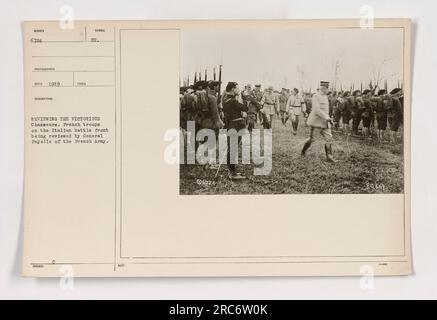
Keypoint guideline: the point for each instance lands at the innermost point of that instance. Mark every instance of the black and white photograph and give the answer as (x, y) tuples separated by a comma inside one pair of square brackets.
[(292, 111)]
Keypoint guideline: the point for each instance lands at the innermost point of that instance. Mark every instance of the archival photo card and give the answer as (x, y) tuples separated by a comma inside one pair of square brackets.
[(217, 148), (292, 111)]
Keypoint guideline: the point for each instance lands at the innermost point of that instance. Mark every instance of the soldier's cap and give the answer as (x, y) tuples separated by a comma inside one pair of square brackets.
[(182, 89), (396, 90), (346, 93), (296, 90), (381, 92), (284, 89), (231, 85), (213, 83), (366, 91), (356, 92), (258, 86), (200, 85), (324, 84)]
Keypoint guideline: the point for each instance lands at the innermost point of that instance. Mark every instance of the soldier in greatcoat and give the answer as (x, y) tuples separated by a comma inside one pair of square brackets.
[(319, 120)]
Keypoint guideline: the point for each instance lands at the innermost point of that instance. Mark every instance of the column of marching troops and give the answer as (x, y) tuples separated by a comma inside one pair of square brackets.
[(378, 113)]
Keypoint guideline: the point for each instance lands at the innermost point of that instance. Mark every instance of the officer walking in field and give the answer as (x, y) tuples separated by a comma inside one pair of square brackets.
[(296, 106), (319, 120), (270, 103)]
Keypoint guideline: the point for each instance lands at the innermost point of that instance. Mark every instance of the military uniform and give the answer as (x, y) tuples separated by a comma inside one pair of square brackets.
[(336, 111), (308, 104), (206, 112), (258, 95), (233, 109), (394, 114), (182, 112), (200, 103), (356, 111), (269, 104), (211, 119), (319, 115), (253, 107), (332, 101), (187, 112), (374, 104), (345, 109), (367, 113), (380, 112), (283, 98), (319, 120), (296, 106)]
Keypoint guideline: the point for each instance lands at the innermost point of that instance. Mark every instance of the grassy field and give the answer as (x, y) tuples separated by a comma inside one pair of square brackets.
[(364, 166)]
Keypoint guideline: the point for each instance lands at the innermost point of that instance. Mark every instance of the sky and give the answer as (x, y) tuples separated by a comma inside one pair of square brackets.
[(295, 57)]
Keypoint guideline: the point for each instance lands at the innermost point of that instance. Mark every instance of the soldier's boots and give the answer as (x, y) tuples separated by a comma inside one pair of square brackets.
[(306, 147), (295, 124), (328, 151)]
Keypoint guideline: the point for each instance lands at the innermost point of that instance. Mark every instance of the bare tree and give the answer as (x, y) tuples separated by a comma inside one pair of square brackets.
[(377, 72)]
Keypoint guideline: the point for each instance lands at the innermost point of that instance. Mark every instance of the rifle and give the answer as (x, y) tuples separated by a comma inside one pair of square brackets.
[(219, 96)]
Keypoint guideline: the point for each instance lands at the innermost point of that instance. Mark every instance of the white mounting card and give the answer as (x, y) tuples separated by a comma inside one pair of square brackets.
[(110, 108)]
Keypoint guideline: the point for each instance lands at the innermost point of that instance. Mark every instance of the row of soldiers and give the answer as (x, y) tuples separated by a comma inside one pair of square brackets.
[(369, 110), (262, 105), (208, 108), (203, 104), (270, 102), (375, 111)]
